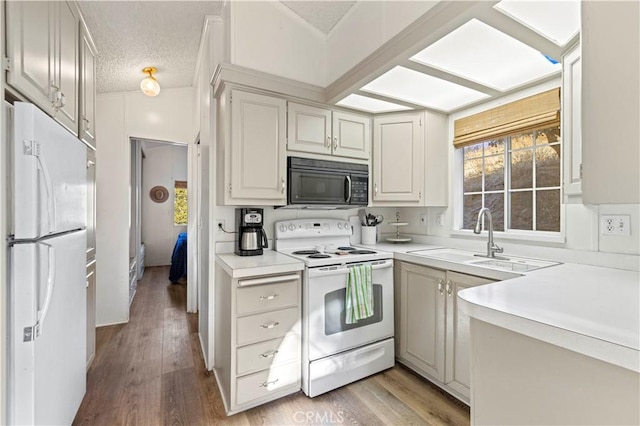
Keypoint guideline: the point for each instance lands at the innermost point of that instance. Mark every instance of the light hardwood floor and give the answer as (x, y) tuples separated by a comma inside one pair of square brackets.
[(151, 372)]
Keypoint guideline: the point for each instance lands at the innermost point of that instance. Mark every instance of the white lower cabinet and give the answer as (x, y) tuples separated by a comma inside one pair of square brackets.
[(434, 335), (257, 347)]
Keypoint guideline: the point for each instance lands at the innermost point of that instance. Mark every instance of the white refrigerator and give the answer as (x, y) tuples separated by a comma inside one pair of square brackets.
[(47, 261)]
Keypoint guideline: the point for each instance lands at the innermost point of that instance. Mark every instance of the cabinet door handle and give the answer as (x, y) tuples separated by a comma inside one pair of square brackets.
[(273, 324), (449, 287), (62, 101), (273, 296), (375, 188), (265, 384), (440, 286), (267, 354), (335, 143), (328, 142), (282, 185)]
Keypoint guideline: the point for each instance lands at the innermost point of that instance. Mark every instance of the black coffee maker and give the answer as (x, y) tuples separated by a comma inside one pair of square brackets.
[(251, 236)]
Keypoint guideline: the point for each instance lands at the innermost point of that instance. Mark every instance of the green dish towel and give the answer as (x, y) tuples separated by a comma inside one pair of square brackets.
[(359, 295)]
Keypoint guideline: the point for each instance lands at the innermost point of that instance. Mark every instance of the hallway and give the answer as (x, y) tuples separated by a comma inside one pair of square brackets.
[(151, 372)]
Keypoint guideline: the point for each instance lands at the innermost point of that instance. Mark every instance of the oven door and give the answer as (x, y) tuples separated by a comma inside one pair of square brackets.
[(324, 314), (319, 187)]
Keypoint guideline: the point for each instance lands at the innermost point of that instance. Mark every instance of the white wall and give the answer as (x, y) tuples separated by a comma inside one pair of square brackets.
[(120, 116), (366, 27), (162, 165), (269, 37)]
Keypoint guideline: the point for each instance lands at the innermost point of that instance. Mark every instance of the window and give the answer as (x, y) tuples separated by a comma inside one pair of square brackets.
[(511, 164), (180, 203), (517, 177)]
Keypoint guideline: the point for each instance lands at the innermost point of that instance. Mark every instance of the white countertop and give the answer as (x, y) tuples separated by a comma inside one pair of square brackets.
[(588, 309), (270, 262)]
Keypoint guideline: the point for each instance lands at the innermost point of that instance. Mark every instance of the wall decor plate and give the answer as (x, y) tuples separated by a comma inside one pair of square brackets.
[(159, 194)]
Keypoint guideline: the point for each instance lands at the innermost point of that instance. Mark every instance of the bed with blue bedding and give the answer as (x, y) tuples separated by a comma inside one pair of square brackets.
[(179, 259)]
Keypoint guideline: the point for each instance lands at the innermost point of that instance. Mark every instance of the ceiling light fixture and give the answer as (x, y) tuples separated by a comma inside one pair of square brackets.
[(149, 85)]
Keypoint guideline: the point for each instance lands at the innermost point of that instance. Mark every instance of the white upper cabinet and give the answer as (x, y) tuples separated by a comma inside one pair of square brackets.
[(43, 45), (572, 121), (87, 89), (351, 135), (322, 131), (66, 61), (309, 129), (398, 159), (257, 150), (30, 48), (410, 156)]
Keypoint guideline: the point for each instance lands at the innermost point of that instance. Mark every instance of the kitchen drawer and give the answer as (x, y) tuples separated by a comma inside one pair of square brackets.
[(265, 382), (265, 354), (266, 297), (267, 326)]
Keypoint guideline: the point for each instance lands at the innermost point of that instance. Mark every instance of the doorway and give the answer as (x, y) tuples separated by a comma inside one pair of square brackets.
[(158, 218)]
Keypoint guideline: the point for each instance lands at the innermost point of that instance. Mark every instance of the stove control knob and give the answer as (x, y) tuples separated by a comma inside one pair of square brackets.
[(283, 228), (339, 225), (292, 227), (346, 225)]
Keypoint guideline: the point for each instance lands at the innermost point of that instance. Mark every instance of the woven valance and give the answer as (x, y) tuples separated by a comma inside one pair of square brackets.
[(181, 184), (535, 112)]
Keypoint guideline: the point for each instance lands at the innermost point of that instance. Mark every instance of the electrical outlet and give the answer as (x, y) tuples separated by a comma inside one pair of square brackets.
[(219, 224), (440, 220), (423, 220), (615, 225)]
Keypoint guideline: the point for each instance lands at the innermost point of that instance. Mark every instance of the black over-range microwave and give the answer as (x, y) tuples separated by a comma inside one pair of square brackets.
[(320, 183)]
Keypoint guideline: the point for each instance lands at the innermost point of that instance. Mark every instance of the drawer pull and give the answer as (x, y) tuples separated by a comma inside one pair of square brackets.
[(273, 296), (273, 324), (268, 354), (265, 384)]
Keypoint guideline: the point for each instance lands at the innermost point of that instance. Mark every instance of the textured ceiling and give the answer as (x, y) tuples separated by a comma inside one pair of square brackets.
[(131, 35), (323, 15)]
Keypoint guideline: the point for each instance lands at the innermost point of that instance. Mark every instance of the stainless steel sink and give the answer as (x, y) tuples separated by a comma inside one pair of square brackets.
[(511, 264)]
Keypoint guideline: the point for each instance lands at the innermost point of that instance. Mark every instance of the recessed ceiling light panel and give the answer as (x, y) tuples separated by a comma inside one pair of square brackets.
[(418, 88), (558, 21), (479, 52), (368, 104)]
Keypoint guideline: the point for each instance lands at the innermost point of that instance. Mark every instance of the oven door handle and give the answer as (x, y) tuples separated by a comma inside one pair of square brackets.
[(326, 271)]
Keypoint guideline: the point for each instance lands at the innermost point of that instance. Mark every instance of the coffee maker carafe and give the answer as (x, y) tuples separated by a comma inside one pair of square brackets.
[(251, 236)]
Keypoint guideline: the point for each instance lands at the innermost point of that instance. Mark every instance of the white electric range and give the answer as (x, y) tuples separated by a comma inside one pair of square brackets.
[(335, 353)]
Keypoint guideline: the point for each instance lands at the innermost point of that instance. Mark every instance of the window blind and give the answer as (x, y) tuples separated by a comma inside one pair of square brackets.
[(535, 112), (181, 184)]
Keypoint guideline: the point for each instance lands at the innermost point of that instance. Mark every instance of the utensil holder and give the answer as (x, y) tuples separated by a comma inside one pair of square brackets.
[(369, 235)]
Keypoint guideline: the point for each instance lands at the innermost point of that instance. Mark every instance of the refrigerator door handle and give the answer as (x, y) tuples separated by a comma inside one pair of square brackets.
[(51, 205), (51, 280)]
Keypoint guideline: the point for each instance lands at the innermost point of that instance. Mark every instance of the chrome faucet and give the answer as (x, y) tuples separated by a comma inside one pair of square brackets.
[(492, 248)]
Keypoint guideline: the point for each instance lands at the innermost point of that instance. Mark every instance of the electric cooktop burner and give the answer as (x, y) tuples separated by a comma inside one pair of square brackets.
[(362, 252), (318, 256), (346, 248), (304, 252)]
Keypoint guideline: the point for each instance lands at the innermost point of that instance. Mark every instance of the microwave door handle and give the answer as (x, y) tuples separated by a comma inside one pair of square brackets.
[(348, 200), (264, 239)]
